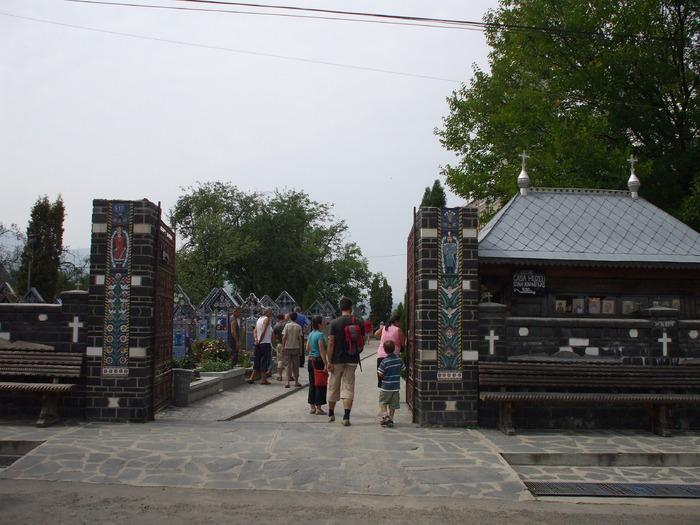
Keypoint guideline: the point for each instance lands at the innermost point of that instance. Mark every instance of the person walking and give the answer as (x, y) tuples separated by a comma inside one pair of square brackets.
[(389, 332), (291, 342), (368, 330), (342, 366), (262, 337), (316, 347), (304, 322), (279, 349), (235, 331), (389, 373)]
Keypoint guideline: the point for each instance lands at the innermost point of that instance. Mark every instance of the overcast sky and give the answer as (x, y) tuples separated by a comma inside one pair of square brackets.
[(115, 102)]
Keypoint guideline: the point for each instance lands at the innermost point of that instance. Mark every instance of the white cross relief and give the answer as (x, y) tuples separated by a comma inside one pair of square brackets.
[(492, 338), (664, 341), (75, 325)]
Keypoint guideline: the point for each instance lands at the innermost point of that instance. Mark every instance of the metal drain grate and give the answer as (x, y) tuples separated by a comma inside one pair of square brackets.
[(623, 490)]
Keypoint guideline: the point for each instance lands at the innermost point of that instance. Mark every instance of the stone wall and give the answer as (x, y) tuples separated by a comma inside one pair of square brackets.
[(657, 337), (62, 326), (446, 324), (119, 383)]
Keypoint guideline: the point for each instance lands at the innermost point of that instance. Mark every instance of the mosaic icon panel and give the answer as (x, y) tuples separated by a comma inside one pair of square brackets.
[(449, 366), (115, 349)]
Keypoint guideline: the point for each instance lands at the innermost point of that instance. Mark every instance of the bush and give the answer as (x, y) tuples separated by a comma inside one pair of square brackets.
[(186, 361), (209, 355)]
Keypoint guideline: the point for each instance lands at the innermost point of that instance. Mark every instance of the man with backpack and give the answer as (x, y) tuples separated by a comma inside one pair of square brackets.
[(344, 355)]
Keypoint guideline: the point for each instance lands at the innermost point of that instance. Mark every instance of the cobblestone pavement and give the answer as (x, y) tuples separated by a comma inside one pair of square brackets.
[(225, 442)]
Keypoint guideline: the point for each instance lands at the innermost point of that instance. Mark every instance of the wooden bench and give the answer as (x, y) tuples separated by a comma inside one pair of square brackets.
[(512, 384), (39, 372)]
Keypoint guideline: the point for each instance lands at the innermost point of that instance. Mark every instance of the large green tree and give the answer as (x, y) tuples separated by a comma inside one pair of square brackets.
[(210, 220), (581, 86), (41, 258), (265, 244)]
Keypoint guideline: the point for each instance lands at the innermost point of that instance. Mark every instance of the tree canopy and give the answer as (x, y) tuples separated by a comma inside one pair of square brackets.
[(434, 196), (265, 244), (581, 86), (380, 300), (44, 249)]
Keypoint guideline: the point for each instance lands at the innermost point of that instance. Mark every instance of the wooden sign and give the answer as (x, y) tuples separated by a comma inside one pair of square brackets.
[(528, 283)]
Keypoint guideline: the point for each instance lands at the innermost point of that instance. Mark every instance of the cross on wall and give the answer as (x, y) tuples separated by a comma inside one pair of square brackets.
[(76, 324), (664, 340), (492, 338)]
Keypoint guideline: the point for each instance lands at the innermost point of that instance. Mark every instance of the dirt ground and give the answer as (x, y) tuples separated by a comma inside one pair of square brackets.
[(31, 502)]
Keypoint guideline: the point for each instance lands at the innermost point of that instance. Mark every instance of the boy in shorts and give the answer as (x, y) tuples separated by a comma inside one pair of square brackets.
[(389, 394)]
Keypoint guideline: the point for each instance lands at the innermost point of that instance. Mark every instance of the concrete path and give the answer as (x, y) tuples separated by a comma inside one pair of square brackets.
[(262, 437)]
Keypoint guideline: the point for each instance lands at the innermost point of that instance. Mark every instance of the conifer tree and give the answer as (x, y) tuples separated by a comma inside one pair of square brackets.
[(42, 253)]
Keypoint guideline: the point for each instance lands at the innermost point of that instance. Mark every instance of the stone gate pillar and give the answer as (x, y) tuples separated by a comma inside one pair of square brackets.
[(445, 274), (121, 331)]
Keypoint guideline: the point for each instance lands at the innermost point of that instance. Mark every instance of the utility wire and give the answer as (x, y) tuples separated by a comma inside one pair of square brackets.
[(220, 48), (405, 20), (285, 15)]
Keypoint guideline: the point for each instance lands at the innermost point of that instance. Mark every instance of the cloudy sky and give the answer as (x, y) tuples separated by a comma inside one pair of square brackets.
[(118, 102)]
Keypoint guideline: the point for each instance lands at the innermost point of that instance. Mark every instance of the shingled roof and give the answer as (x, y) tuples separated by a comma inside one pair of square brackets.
[(587, 227)]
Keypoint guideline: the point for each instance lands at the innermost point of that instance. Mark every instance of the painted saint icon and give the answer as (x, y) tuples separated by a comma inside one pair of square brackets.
[(120, 247)]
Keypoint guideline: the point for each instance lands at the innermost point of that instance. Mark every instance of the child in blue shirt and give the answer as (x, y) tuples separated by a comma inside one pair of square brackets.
[(389, 396)]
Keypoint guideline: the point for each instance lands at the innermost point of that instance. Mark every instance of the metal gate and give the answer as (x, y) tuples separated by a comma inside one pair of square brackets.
[(411, 319), (165, 305)]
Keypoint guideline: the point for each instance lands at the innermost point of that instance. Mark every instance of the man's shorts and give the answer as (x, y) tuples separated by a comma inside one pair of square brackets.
[(261, 359), (341, 382), (390, 399)]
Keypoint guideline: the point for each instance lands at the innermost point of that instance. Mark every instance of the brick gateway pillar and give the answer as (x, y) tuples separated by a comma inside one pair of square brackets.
[(442, 308), (128, 364)]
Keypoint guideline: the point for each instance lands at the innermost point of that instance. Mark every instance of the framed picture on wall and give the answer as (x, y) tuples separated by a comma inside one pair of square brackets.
[(676, 303), (578, 305), (609, 306), (560, 306), (594, 305)]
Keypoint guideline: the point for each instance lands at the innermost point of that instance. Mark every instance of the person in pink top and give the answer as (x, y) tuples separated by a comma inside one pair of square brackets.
[(389, 332)]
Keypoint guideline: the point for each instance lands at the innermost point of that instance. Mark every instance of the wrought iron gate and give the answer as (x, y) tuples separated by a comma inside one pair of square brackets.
[(411, 318), (164, 306)]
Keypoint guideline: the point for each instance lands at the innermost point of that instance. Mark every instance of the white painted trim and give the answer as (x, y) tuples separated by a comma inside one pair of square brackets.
[(469, 232), (432, 284), (99, 280), (94, 351), (142, 228), (470, 355), (5, 336), (579, 341), (466, 285), (450, 405), (428, 355), (136, 280), (428, 233), (137, 352), (99, 227)]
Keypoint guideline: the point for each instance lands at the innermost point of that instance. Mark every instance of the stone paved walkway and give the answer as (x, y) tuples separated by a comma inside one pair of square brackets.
[(226, 442)]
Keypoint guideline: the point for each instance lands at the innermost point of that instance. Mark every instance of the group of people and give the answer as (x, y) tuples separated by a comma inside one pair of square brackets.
[(330, 366)]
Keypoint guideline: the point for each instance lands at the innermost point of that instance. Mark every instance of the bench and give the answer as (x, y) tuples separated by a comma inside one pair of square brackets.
[(512, 384), (39, 372)]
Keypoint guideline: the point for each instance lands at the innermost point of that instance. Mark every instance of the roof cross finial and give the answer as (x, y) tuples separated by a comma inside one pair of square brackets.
[(524, 156), (633, 182), (632, 160), (523, 179)]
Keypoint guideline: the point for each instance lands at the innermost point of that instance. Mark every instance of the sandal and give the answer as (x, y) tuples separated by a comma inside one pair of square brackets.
[(321, 412), (279, 378), (250, 381), (297, 384), (286, 386), (313, 411)]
